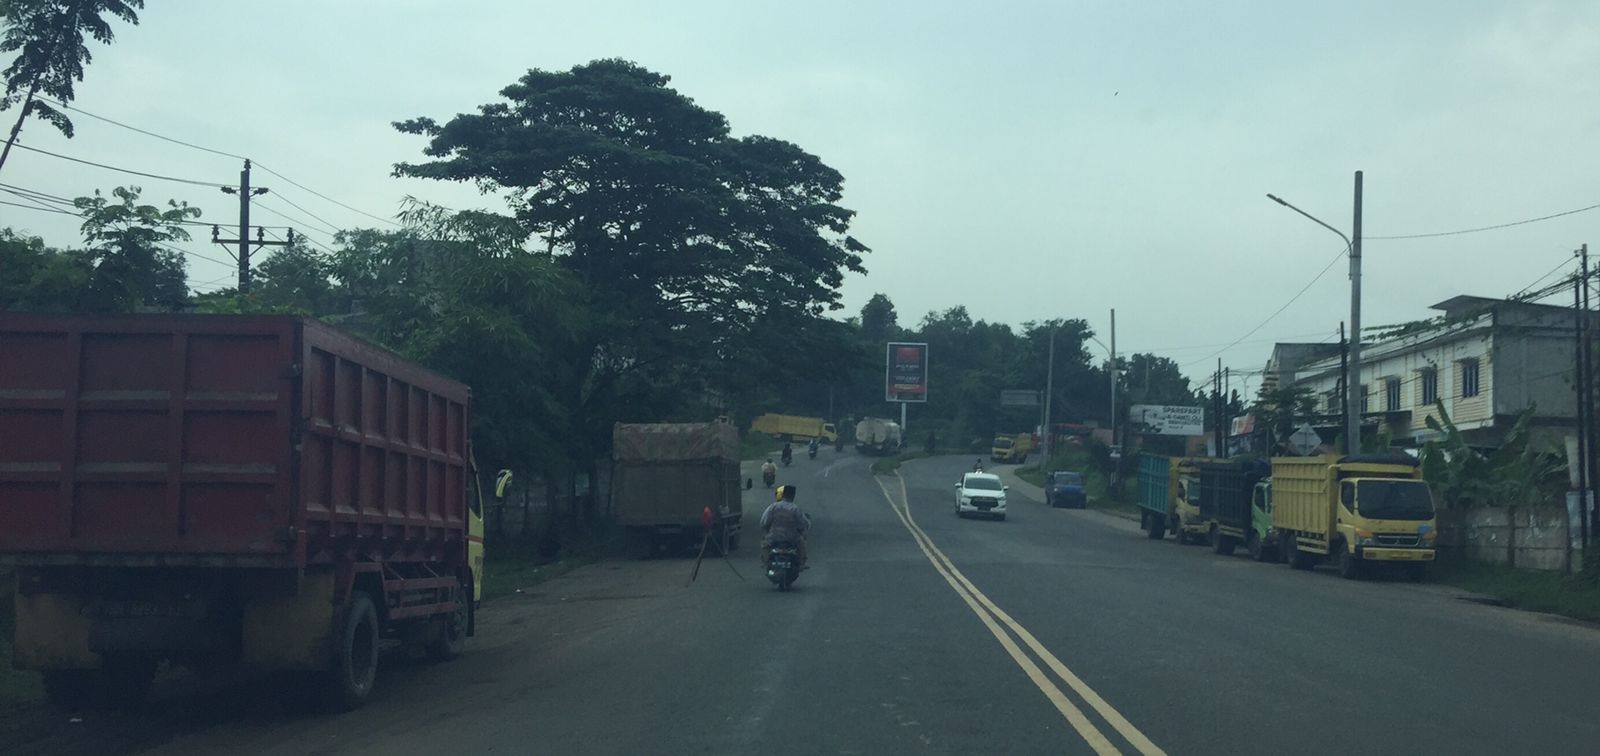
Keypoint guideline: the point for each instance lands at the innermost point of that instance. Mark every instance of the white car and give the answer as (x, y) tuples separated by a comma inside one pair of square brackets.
[(981, 493)]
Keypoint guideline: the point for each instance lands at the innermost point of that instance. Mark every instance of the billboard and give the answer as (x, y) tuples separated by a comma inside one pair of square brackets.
[(1167, 420), (1019, 398), (906, 372)]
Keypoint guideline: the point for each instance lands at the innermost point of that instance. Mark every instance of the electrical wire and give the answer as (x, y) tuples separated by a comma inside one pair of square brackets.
[(334, 227), (258, 204), (157, 176), (1485, 228), (257, 164), (44, 208), (1275, 314)]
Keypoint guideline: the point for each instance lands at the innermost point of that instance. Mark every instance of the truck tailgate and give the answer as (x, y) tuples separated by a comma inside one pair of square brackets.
[(174, 437)]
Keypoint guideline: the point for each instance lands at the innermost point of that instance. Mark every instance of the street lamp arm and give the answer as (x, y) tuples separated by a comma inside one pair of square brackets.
[(1313, 219)]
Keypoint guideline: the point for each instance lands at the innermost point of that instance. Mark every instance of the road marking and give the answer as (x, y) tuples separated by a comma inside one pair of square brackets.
[(988, 612)]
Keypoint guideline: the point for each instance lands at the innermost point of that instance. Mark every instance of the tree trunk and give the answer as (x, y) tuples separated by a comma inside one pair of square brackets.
[(27, 105)]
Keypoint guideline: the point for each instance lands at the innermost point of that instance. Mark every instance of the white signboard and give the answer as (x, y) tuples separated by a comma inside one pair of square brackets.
[(1304, 440), (1167, 420)]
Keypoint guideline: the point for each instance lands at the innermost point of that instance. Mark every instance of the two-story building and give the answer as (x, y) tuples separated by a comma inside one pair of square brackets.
[(1485, 360)]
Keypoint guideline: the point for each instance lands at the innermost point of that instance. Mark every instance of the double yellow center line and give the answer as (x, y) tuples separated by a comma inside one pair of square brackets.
[(993, 617)]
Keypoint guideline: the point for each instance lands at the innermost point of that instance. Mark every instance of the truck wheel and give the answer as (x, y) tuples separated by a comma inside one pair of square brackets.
[(1296, 558), (355, 656), (70, 689), (1349, 566), (449, 639), (127, 679), (1252, 545), (1221, 544), (1157, 528)]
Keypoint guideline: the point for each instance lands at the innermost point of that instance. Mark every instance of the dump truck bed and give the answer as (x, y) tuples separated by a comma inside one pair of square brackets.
[(269, 441)]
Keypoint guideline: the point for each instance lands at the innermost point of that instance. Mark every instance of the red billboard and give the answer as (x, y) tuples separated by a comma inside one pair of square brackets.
[(906, 372)]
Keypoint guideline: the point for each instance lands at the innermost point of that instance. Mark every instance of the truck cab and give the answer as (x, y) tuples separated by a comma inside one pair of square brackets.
[(1387, 519), (1188, 525), (1007, 448), (1262, 543)]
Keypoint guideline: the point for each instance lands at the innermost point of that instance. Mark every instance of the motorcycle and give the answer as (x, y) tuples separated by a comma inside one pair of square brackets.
[(783, 567), (787, 460), (769, 477), (812, 452)]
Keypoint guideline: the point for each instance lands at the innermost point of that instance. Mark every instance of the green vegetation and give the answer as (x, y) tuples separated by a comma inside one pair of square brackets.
[(891, 465), (757, 445), (17, 687), (1517, 473), (516, 563), (1096, 480), (1576, 596)]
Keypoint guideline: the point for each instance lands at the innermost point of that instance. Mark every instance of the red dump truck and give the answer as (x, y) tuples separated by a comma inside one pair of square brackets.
[(233, 491)]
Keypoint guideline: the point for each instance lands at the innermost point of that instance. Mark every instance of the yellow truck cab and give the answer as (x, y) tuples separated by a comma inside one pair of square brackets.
[(1354, 512), (1186, 523), (1011, 448)]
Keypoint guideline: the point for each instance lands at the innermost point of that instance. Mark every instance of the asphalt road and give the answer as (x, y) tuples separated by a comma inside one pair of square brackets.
[(1054, 632)]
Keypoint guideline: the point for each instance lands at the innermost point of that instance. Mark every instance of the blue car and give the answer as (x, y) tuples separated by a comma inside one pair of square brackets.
[(1065, 489)]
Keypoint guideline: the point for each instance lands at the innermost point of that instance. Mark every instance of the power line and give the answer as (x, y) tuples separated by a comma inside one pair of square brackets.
[(44, 208), (158, 176), (334, 227), (142, 131), (1486, 228), (258, 163), (302, 221), (1276, 313)]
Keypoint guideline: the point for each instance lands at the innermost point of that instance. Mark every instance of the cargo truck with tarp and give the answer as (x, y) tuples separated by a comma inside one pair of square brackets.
[(1224, 506), (673, 483)]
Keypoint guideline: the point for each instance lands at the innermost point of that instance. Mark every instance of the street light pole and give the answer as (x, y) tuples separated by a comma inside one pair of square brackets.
[(1352, 377), (1113, 377), (1049, 391)]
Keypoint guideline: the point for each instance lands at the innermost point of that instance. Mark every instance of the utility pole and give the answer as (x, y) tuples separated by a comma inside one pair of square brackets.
[(1352, 384), (1579, 314), (1344, 382), (1114, 377), (1049, 391), (243, 255), (1216, 406), (1587, 384)]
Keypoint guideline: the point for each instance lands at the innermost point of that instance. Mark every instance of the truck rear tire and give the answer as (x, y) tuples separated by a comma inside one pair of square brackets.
[(450, 640), (70, 689), (350, 677), (1221, 543), (1296, 558), (1157, 528)]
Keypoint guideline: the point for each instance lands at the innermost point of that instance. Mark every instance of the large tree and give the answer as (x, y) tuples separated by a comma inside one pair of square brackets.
[(49, 38), (695, 245), (135, 266)]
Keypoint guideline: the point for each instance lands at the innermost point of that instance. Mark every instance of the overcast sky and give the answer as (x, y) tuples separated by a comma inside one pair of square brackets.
[(1025, 159)]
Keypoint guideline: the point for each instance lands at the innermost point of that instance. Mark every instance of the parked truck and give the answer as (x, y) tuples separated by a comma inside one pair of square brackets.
[(875, 435), (1354, 511), (229, 491), (1011, 448), (795, 428), (1225, 505), (673, 481), (1158, 485)]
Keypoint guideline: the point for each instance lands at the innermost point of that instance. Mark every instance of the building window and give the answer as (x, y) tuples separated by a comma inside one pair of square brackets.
[(1469, 378), (1365, 391), (1391, 394), (1333, 402), (1430, 386)]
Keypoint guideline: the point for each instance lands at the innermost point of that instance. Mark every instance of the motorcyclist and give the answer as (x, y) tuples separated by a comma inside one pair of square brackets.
[(978, 465), (788, 453), (769, 472), (812, 447), (783, 521)]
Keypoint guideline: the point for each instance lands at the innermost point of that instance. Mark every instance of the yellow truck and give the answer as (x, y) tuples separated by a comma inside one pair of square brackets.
[(1011, 448), (1186, 520), (1355, 512), (795, 428)]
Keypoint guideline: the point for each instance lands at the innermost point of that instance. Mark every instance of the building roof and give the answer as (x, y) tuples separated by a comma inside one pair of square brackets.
[(1466, 302)]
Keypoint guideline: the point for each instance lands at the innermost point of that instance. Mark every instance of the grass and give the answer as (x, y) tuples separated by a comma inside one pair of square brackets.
[(757, 445), (17, 687), (1095, 483), (1575, 596), (515, 563), (891, 465)]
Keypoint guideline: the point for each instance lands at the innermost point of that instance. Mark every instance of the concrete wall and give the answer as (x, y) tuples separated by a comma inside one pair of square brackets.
[(1536, 538)]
